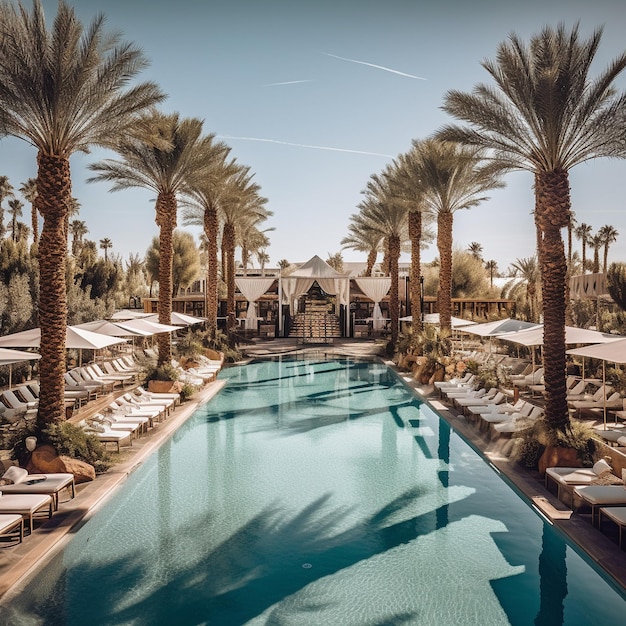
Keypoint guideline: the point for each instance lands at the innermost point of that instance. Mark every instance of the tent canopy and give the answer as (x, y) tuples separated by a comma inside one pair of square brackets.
[(315, 267)]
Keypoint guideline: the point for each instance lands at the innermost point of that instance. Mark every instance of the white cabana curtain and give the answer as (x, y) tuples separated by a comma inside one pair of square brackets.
[(294, 287), (252, 289), (375, 289), (339, 287)]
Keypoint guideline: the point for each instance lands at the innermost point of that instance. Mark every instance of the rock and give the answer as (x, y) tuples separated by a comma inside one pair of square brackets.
[(164, 386), (558, 457), (45, 460)]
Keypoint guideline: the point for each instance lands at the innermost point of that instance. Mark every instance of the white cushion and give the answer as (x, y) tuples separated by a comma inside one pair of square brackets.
[(600, 467), (15, 474)]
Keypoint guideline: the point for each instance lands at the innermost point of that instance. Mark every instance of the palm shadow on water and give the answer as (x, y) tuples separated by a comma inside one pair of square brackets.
[(256, 568)]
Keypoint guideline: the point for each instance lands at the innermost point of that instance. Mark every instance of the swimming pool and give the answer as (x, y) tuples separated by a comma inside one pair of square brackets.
[(316, 492)]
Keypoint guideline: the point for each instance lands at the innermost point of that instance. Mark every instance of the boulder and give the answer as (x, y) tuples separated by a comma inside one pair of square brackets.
[(45, 460)]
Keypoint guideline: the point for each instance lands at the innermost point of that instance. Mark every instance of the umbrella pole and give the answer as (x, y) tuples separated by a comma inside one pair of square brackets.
[(604, 389), (10, 375)]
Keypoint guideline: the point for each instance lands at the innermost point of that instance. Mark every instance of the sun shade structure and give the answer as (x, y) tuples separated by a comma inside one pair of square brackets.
[(153, 328), (75, 338), (8, 357), (129, 314), (179, 319), (573, 335), (613, 352), (493, 329), (113, 330)]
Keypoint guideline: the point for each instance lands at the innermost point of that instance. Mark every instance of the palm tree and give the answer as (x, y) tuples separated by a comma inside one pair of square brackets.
[(491, 267), (244, 206), (251, 240), (167, 155), (407, 187), (546, 115), (387, 215), (15, 209), (596, 242), (609, 235), (263, 258), (6, 191), (530, 278), (63, 91), (29, 191), (476, 250), (454, 177), (78, 229), (105, 244), (363, 239), (583, 232), (571, 227), (202, 208)]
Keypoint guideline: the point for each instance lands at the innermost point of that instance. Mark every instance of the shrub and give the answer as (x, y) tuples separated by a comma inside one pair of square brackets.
[(163, 372), (71, 440), (187, 392)]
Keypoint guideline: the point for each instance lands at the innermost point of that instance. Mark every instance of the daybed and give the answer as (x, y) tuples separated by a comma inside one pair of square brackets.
[(46, 484)]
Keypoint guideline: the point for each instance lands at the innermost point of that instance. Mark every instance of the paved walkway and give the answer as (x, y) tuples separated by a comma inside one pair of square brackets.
[(16, 563)]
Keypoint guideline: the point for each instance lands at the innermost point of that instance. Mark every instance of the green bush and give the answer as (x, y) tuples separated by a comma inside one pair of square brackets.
[(163, 372), (187, 392), (71, 440)]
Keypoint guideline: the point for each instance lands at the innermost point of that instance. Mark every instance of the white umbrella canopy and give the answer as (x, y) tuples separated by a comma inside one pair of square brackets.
[(499, 327), (178, 319), (433, 318), (114, 330), (613, 352), (534, 336), (75, 338), (8, 357), (152, 328), (129, 314)]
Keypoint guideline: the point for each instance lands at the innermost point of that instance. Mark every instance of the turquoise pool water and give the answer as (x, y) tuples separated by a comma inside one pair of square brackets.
[(316, 493)]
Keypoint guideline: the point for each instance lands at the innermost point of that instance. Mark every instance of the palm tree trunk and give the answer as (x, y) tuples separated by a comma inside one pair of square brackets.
[(394, 257), (210, 232), (228, 243), (553, 210), (371, 261), (605, 260), (166, 220), (55, 190), (444, 245), (415, 235), (34, 217)]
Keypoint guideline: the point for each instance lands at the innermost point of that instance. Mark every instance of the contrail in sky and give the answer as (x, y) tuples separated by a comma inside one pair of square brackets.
[(304, 145), (378, 67), (289, 82)]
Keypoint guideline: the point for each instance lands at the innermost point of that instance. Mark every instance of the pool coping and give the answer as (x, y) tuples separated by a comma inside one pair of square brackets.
[(587, 539), (18, 563)]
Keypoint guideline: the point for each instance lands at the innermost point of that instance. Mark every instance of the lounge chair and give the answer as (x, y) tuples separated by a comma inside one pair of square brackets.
[(46, 484), (12, 526), (453, 381), (123, 379), (165, 404), (141, 394), (491, 400), (530, 379), (11, 401), (596, 496), (564, 477), (614, 401), (28, 505), (519, 423), (617, 514), (89, 374), (118, 424), (107, 435), (76, 383)]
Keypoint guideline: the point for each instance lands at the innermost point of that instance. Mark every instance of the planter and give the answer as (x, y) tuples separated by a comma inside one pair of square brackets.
[(164, 386), (558, 457)]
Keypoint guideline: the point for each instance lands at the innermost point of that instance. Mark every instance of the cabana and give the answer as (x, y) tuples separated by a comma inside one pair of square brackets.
[(291, 287)]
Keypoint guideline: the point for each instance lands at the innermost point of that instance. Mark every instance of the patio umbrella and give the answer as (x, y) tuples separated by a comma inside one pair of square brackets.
[(129, 314), (8, 357), (179, 319), (75, 338), (499, 327), (152, 328), (613, 352), (113, 330)]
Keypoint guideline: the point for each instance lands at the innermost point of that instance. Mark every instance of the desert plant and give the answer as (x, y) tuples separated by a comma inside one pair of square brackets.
[(186, 392), (166, 371)]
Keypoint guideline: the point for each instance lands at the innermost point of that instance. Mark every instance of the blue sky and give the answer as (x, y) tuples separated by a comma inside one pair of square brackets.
[(316, 96)]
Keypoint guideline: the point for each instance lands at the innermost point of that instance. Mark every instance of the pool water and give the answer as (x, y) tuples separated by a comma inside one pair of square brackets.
[(316, 492)]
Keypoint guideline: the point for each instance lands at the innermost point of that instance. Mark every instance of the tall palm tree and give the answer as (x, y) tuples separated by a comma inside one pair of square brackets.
[(491, 267), (407, 187), (363, 239), (78, 229), (387, 215), (571, 227), (202, 208), (263, 258), (6, 191), (609, 235), (454, 177), (476, 250), (529, 276), (167, 155), (545, 115), (15, 209), (29, 191), (106, 244), (596, 242), (63, 90), (251, 240), (243, 206), (583, 232)]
